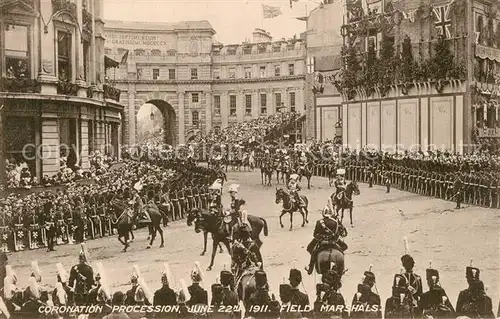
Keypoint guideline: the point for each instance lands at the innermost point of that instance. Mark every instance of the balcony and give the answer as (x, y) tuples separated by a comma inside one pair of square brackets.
[(111, 93), (67, 88), (19, 85)]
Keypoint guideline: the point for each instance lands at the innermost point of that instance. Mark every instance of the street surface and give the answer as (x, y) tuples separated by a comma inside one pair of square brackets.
[(437, 232)]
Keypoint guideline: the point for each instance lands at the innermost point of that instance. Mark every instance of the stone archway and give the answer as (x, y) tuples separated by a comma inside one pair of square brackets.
[(169, 120)]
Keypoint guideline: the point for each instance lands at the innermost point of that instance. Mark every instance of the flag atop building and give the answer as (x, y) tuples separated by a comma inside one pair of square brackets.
[(271, 12)]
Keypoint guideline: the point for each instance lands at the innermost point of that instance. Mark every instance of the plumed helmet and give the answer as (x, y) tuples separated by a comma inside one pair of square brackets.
[(61, 293), (61, 272), (233, 188), (166, 275), (84, 254), (136, 274), (35, 271), (407, 259), (472, 273), (34, 288), (104, 289), (432, 275), (148, 295), (226, 278), (260, 278), (197, 273)]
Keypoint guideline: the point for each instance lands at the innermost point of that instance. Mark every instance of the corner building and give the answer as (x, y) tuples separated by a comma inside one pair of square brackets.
[(198, 83), (52, 86)]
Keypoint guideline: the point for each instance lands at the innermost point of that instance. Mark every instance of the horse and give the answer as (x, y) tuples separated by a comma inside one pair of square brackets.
[(344, 201), (266, 173), (290, 207), (205, 221), (332, 171), (246, 286), (306, 172), (284, 169), (190, 218)]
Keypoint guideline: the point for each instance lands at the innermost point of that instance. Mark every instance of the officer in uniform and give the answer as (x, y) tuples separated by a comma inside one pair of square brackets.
[(366, 303), (62, 294), (165, 296), (326, 232), (414, 283), (340, 183), (473, 301), (246, 254), (399, 305), (297, 297), (260, 297), (81, 277), (294, 188), (135, 295), (50, 225), (435, 303), (457, 190), (198, 294)]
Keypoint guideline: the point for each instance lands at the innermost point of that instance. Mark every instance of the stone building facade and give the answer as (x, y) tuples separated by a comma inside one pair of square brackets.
[(52, 87), (198, 83)]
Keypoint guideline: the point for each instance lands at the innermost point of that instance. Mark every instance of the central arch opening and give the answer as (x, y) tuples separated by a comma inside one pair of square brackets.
[(156, 121)]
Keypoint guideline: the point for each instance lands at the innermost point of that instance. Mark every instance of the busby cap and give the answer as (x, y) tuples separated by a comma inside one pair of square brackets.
[(407, 259), (295, 274), (285, 289), (35, 271), (399, 281), (226, 278), (369, 276), (260, 278), (472, 273), (84, 254), (432, 274), (61, 272)]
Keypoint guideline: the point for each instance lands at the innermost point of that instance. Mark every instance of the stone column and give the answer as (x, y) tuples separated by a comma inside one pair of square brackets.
[(255, 104), (47, 54), (50, 141), (80, 76), (208, 111), (224, 109), (84, 152), (240, 106), (181, 117), (131, 116)]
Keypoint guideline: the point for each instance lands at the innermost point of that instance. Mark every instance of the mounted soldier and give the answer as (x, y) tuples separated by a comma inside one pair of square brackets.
[(473, 301), (13, 297), (215, 200), (199, 296), (435, 303), (294, 188), (340, 183), (81, 277), (366, 303), (327, 233), (302, 163), (62, 294), (165, 296), (245, 253), (327, 294), (139, 294)]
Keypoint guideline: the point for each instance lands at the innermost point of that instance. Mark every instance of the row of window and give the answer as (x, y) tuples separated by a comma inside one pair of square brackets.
[(487, 35), (217, 75), (248, 103), (18, 55)]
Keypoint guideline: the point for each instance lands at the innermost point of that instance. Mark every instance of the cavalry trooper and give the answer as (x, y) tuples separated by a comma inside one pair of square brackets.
[(399, 305), (294, 188), (435, 303), (366, 303), (246, 253), (197, 293), (327, 293), (297, 297), (81, 277), (136, 294), (233, 193), (326, 232), (165, 296), (414, 283), (340, 183), (62, 294), (260, 297), (473, 301)]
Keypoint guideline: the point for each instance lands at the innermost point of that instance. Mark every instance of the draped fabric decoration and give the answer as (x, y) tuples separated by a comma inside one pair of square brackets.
[(441, 13)]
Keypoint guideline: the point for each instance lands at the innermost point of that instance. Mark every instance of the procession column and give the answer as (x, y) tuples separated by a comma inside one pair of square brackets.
[(181, 118), (208, 111)]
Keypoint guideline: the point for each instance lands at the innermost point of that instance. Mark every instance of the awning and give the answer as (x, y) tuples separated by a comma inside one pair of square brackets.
[(110, 63)]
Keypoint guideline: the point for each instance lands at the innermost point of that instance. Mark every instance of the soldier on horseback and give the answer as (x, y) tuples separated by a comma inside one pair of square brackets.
[(245, 253), (340, 182), (294, 188), (302, 162), (326, 233)]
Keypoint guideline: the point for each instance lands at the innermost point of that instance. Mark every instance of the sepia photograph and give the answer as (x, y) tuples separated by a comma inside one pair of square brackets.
[(249, 159)]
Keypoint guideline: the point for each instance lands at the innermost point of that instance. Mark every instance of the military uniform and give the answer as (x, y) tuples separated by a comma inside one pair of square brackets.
[(473, 301), (198, 294), (165, 296), (399, 305), (435, 302), (366, 303), (81, 277), (260, 297), (414, 283)]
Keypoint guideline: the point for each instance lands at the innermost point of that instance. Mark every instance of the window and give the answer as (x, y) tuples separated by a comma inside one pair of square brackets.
[(195, 97), (276, 48), (247, 50), (277, 70), (263, 103), (155, 52), (194, 74), (195, 118), (171, 52), (156, 74), (16, 52), (232, 73), (231, 51), (479, 28), (217, 104), (139, 73), (232, 105), (64, 56), (171, 74), (248, 72), (139, 52), (262, 49), (262, 71), (292, 101), (277, 97), (291, 69), (248, 104), (86, 59), (217, 74)]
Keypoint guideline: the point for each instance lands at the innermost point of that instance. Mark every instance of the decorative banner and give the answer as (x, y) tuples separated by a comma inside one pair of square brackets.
[(485, 52), (443, 22), (270, 12)]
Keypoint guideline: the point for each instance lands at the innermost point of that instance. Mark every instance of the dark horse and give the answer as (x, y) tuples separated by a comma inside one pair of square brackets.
[(205, 221), (126, 220), (306, 172), (330, 255), (290, 207), (344, 201)]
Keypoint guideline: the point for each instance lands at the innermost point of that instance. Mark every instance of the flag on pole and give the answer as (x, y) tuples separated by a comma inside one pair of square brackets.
[(311, 64), (124, 58), (291, 1), (270, 11)]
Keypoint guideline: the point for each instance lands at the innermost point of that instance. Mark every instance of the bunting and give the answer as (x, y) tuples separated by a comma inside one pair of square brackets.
[(271, 12)]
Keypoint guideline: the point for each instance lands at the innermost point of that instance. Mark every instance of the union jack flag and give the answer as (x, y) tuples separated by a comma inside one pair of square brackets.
[(443, 22)]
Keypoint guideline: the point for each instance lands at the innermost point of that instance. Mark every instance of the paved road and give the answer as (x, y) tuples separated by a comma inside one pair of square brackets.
[(435, 231)]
